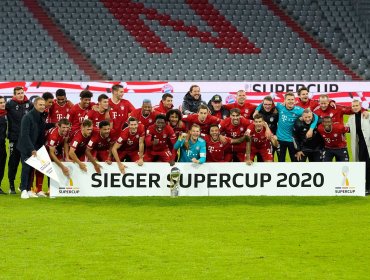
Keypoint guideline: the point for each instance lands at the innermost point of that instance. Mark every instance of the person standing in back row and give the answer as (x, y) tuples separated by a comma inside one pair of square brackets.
[(360, 139), (192, 101), (16, 108), (3, 126)]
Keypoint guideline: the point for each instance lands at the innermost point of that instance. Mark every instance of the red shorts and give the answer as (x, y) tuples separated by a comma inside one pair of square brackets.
[(265, 153), (132, 155), (162, 156)]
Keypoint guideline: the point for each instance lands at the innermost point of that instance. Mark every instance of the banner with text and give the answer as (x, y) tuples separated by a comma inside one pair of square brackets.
[(135, 91), (215, 179)]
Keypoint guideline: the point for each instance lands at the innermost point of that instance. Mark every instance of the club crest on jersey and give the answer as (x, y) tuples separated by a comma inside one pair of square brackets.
[(164, 135), (137, 136), (122, 108), (271, 119), (335, 135), (331, 114), (150, 120)]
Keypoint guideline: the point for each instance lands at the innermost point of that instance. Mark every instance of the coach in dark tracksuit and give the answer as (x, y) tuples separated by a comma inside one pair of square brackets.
[(3, 125), (16, 108), (307, 148), (31, 138)]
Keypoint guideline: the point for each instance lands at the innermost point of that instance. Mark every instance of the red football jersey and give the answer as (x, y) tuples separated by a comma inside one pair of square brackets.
[(216, 150), (53, 138), (179, 129), (166, 138), (98, 143), (161, 109), (246, 110), (146, 121), (312, 104), (258, 139), (335, 114), (218, 114), (77, 116), (96, 117), (204, 126), (57, 112), (235, 131), (335, 139), (79, 142), (120, 112), (130, 142)]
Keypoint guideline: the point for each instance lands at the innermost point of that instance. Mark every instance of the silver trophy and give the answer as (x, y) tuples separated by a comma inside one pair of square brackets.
[(174, 181)]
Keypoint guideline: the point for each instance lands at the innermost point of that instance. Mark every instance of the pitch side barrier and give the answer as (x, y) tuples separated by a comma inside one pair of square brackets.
[(215, 179), (342, 92)]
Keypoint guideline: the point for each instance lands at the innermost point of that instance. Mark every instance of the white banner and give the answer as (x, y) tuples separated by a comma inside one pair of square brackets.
[(215, 179), (341, 92), (42, 163)]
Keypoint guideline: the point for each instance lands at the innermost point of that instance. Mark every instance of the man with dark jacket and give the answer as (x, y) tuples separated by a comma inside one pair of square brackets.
[(217, 109), (310, 148), (31, 138), (3, 125), (269, 113), (16, 108), (192, 100)]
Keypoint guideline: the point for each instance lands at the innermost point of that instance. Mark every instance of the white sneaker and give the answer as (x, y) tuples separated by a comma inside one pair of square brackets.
[(24, 194), (41, 194), (32, 194)]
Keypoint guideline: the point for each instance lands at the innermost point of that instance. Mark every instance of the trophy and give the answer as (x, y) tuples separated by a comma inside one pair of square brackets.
[(174, 181)]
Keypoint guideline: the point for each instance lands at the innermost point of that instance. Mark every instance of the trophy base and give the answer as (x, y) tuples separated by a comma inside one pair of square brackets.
[(174, 192)]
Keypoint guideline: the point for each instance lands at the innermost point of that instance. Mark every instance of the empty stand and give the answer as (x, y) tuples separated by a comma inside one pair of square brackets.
[(63, 41), (336, 26), (187, 40), (26, 49)]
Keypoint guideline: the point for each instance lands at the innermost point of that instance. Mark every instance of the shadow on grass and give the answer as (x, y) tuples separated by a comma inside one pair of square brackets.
[(207, 201), (189, 201)]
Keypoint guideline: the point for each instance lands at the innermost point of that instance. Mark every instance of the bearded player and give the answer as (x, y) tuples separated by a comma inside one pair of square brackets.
[(130, 144), (78, 143), (100, 145), (259, 141), (78, 111), (334, 140), (235, 127), (159, 142), (217, 144)]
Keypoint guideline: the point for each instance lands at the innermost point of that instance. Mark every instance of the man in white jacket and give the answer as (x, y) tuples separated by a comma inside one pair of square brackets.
[(360, 138)]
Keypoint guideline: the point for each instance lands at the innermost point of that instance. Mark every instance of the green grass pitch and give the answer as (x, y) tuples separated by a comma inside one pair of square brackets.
[(185, 238)]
